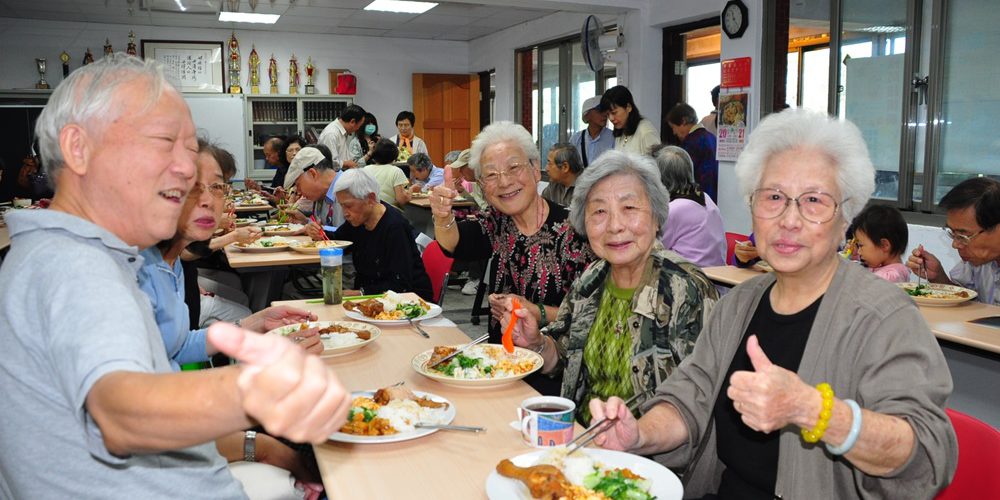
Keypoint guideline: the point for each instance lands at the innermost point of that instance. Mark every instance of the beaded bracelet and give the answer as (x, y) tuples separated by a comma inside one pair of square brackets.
[(816, 433), (543, 315), (852, 436)]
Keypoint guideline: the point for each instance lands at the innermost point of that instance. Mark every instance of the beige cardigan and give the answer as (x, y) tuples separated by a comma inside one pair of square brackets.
[(871, 344)]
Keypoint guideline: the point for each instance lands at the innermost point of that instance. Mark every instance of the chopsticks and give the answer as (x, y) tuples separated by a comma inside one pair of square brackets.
[(576, 444), (322, 232), (462, 349)]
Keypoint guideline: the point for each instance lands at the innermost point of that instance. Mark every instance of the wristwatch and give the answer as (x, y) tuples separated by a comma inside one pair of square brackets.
[(250, 446)]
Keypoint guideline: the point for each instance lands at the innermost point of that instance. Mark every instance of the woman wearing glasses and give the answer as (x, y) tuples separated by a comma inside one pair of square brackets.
[(536, 254), (819, 380), (973, 211)]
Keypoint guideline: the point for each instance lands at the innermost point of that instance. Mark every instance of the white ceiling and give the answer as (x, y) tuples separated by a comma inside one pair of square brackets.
[(461, 20)]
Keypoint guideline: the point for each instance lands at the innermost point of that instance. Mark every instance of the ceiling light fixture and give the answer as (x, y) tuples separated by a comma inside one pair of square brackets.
[(180, 5), (401, 6), (247, 17)]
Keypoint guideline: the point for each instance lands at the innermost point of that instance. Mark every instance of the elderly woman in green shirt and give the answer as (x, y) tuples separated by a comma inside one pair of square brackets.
[(631, 317)]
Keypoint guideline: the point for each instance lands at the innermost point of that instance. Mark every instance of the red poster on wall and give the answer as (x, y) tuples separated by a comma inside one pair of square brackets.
[(736, 73)]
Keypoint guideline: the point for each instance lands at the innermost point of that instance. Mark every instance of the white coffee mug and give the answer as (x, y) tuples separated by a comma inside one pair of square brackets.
[(22, 202), (546, 421)]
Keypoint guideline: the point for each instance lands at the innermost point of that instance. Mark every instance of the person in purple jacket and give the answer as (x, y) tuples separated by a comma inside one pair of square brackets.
[(694, 229)]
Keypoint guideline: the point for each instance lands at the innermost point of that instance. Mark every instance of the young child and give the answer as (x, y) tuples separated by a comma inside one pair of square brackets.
[(880, 234)]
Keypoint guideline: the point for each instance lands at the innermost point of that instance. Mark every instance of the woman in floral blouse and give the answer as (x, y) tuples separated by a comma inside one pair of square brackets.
[(536, 253)]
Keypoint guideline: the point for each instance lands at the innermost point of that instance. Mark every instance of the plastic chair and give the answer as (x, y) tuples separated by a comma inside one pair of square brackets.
[(731, 239), (978, 456), (438, 266)]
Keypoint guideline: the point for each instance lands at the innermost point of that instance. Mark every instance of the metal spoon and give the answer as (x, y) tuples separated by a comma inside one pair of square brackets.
[(465, 428)]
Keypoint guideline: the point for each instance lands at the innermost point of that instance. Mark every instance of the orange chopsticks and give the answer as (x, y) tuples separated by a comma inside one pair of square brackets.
[(321, 231)]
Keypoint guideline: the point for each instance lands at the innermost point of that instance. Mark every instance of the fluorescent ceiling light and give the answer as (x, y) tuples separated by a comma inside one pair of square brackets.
[(404, 6), (180, 5), (247, 17)]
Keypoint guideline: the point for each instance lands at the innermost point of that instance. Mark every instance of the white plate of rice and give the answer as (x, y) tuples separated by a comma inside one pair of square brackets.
[(403, 417), (335, 344)]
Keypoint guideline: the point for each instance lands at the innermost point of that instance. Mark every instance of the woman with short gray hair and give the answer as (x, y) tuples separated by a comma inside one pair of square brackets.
[(695, 229), (818, 380), (633, 315), (536, 254)]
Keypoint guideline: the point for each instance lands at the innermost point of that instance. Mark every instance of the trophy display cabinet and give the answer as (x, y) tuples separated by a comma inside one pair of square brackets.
[(285, 116)]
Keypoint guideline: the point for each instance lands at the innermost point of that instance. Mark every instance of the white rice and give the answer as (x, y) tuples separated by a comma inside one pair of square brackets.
[(404, 414), (332, 340)]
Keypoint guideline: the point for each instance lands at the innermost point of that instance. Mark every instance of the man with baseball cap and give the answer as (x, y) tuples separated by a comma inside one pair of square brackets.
[(458, 162), (597, 137), (314, 176)]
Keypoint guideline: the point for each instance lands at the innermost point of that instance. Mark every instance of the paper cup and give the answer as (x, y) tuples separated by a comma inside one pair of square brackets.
[(546, 421)]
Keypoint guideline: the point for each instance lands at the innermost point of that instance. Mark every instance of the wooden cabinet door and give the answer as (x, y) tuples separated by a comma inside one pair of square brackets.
[(447, 109)]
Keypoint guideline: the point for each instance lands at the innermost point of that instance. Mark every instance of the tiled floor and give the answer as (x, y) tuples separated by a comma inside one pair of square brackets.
[(458, 308)]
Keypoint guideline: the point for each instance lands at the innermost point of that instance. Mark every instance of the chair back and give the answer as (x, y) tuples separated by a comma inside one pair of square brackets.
[(731, 239), (978, 456), (437, 266)]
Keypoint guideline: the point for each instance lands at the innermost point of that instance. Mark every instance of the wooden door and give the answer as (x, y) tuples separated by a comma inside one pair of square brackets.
[(447, 109)]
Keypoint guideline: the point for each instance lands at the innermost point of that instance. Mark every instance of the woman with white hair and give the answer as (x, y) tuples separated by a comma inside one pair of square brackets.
[(694, 230), (819, 380), (633, 315), (536, 254), (385, 252)]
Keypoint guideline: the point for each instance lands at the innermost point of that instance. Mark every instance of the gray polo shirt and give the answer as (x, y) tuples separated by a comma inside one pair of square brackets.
[(71, 312)]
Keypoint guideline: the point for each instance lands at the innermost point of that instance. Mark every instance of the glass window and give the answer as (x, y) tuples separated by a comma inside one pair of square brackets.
[(792, 80), (815, 78), (699, 82), (584, 83)]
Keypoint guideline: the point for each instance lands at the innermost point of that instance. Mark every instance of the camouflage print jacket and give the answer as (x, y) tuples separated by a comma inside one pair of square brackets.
[(669, 308)]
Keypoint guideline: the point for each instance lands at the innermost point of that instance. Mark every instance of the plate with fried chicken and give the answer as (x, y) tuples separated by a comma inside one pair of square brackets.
[(391, 309), (393, 414)]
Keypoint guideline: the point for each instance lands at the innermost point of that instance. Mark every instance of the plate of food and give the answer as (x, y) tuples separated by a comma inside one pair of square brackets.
[(391, 309), (392, 414), (937, 294), (763, 267), (338, 337), (264, 245), (281, 229), (313, 247), (420, 194), (587, 473), (240, 222), (482, 365)]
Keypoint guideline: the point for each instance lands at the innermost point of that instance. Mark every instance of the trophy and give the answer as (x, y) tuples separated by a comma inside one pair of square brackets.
[(42, 84), (310, 70), (64, 57), (254, 63), (88, 57), (272, 74), (234, 65), (131, 43), (293, 76), (107, 47)]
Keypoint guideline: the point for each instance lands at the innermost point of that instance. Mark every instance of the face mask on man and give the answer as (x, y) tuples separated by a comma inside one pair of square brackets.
[(369, 129)]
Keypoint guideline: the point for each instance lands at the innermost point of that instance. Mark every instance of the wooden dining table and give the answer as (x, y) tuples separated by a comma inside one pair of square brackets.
[(264, 273), (4, 238), (972, 350), (446, 464)]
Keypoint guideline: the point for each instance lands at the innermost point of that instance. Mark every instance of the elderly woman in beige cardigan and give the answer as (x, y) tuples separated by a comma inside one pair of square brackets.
[(818, 380)]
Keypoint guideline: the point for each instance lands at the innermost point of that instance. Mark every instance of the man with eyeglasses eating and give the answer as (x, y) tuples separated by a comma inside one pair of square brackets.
[(973, 214)]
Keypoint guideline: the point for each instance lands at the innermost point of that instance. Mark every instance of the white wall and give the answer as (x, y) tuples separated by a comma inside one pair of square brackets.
[(383, 65)]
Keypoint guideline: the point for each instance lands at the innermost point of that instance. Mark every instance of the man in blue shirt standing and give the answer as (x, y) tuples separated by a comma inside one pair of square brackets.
[(597, 137)]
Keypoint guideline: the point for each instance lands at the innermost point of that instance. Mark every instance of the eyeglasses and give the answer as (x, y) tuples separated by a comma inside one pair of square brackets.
[(961, 239), (815, 206), (514, 171), (217, 189)]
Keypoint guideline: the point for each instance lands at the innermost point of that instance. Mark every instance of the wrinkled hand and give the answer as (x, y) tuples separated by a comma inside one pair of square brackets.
[(247, 234), (251, 184), (769, 397), (931, 264), (291, 393), (314, 231), (501, 304), (416, 188), (274, 317), (746, 252), (526, 332), (624, 434), (442, 196)]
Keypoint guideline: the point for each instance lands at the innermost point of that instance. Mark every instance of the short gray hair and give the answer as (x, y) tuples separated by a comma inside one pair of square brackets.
[(567, 153), (420, 161), (620, 163), (90, 97), (357, 182), (676, 168), (503, 131), (841, 141), (452, 156)]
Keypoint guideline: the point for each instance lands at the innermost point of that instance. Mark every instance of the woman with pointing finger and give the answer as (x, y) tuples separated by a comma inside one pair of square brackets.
[(536, 253), (818, 380)]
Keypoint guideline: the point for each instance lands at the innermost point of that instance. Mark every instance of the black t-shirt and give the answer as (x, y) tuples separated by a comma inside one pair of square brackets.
[(751, 457), (386, 258)]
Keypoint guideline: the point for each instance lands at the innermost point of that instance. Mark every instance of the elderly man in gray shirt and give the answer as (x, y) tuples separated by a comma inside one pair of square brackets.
[(92, 407)]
